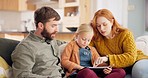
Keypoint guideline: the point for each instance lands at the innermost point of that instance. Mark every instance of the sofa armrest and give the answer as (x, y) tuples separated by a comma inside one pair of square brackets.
[(142, 44), (6, 48)]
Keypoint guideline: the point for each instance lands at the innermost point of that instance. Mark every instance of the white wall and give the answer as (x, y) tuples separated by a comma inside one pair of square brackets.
[(136, 17), (10, 20), (117, 7), (14, 20), (133, 13), (28, 17)]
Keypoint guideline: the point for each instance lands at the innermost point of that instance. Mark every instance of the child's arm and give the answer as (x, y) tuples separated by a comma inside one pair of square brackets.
[(78, 67)]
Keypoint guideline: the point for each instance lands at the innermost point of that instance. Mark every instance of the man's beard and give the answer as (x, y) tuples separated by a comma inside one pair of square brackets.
[(47, 35)]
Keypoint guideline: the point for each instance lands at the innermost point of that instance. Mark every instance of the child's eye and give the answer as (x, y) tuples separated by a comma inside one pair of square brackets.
[(98, 25), (84, 39), (88, 40)]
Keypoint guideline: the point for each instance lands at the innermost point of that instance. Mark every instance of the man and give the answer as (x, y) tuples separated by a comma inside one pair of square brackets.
[(37, 56)]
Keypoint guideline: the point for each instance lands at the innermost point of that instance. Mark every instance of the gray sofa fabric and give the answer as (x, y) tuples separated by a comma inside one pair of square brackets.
[(6, 48)]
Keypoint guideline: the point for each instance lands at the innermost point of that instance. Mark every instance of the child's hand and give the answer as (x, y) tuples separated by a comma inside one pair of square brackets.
[(107, 70)]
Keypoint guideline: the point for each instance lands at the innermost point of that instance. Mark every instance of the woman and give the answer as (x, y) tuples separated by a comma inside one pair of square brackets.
[(116, 45), (78, 54)]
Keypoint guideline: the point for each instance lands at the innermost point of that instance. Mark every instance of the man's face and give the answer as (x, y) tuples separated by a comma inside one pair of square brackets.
[(50, 29)]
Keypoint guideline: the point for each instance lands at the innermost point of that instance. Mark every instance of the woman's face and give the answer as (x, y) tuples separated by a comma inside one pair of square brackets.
[(104, 26)]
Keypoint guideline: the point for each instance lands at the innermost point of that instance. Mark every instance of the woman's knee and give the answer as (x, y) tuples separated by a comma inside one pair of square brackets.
[(121, 72), (140, 69), (116, 73)]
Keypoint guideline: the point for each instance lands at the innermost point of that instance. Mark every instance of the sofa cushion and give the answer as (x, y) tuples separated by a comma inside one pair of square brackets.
[(5, 69), (142, 44), (61, 48), (6, 48)]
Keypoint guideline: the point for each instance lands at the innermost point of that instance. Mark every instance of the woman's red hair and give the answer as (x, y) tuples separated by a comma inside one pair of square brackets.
[(116, 28)]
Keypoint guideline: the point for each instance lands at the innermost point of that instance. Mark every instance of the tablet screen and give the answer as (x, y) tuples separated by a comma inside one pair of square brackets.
[(100, 67)]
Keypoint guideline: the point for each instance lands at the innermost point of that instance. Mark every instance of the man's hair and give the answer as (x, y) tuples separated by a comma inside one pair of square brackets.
[(44, 14)]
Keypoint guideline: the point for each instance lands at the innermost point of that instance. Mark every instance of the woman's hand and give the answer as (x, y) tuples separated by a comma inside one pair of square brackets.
[(107, 70), (100, 60)]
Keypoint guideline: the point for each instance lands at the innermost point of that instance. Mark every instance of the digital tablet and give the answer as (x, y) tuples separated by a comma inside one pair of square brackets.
[(100, 67)]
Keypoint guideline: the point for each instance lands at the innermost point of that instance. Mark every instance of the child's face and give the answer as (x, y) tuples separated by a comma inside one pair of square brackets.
[(83, 39)]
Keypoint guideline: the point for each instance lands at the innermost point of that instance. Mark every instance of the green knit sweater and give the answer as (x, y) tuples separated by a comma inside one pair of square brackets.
[(121, 49)]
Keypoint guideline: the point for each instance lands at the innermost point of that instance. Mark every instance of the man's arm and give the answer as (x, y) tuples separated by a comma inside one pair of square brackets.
[(23, 59)]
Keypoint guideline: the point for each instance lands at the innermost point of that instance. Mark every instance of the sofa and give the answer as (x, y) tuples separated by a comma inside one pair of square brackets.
[(8, 45), (6, 48)]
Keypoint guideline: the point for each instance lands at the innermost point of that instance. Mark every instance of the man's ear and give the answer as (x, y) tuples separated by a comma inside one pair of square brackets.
[(40, 26)]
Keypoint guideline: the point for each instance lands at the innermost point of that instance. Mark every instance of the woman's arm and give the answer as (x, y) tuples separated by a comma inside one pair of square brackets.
[(129, 55)]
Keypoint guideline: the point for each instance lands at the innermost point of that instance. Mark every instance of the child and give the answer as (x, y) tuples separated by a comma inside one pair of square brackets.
[(78, 54)]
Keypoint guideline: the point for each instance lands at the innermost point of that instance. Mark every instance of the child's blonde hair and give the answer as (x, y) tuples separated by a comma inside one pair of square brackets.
[(85, 28)]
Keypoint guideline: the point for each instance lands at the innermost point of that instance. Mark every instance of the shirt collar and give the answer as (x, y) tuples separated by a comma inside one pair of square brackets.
[(35, 37)]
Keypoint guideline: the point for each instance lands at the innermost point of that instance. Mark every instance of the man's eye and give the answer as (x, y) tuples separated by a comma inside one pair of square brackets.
[(53, 26)]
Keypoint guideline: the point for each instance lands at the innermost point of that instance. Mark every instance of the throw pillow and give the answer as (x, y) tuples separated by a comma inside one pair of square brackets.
[(142, 44), (5, 69)]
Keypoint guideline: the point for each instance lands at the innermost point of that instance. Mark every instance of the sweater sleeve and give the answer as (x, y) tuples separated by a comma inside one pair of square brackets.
[(95, 55), (129, 55), (66, 56), (91, 43)]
